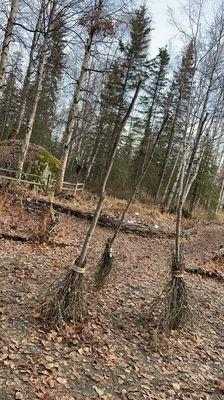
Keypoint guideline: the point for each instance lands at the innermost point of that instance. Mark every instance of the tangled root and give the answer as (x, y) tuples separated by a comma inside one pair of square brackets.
[(105, 266), (174, 310), (65, 302)]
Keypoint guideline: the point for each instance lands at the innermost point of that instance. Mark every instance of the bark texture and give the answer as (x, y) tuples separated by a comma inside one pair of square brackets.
[(6, 43)]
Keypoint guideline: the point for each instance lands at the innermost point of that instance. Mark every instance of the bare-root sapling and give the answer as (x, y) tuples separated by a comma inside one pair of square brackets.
[(64, 301), (172, 305), (105, 266)]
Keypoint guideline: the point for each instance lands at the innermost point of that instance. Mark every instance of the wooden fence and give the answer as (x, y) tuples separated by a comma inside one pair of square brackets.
[(49, 182)]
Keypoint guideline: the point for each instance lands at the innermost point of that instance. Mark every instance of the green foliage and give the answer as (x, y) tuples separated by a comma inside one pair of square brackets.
[(205, 189), (123, 77), (45, 157)]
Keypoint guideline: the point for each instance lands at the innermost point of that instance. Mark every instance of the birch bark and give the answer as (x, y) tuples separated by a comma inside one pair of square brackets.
[(6, 43), (69, 132), (25, 90), (40, 77)]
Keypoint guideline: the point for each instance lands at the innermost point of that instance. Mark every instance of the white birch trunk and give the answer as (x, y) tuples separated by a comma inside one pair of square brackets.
[(6, 42), (174, 187), (221, 198), (170, 178), (40, 77), (25, 90), (69, 132), (92, 161)]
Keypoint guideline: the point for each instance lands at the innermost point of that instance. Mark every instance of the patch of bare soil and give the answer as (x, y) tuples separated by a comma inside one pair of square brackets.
[(113, 356)]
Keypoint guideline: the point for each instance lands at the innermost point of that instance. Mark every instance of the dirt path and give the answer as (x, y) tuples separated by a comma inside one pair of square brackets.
[(112, 356)]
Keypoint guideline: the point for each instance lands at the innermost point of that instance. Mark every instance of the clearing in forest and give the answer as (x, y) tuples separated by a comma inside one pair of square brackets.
[(114, 355)]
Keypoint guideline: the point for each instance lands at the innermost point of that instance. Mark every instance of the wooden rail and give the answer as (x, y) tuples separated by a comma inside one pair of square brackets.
[(10, 178), (13, 171), (73, 187)]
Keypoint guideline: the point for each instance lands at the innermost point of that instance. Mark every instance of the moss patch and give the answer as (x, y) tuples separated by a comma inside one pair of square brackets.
[(36, 161), (47, 158)]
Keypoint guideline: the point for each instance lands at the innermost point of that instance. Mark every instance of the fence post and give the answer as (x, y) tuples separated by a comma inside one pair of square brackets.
[(74, 193), (48, 183)]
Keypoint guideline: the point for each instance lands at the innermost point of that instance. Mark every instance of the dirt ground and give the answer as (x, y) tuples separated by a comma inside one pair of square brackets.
[(114, 355)]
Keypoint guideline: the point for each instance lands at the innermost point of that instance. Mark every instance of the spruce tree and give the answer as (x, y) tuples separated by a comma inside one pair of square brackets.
[(152, 103), (129, 68)]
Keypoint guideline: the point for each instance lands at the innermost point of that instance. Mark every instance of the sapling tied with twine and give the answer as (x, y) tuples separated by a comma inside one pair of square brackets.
[(65, 301), (172, 303), (106, 263)]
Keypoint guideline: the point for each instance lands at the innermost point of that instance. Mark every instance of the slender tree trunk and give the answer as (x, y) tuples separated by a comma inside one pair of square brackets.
[(74, 108), (221, 198), (80, 262), (192, 175), (200, 130), (71, 119), (164, 198), (180, 202), (139, 181), (92, 160), (173, 129), (194, 150), (179, 216), (7, 104), (144, 146), (181, 191), (26, 85), (193, 199), (6, 42), (38, 89), (174, 187)]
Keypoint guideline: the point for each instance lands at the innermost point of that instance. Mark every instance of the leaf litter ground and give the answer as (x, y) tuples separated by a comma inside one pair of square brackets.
[(114, 355)]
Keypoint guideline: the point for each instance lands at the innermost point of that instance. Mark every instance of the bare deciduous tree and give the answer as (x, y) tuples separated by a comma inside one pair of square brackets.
[(6, 42)]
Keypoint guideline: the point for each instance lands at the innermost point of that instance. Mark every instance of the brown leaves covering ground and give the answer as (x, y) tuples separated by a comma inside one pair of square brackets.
[(113, 356)]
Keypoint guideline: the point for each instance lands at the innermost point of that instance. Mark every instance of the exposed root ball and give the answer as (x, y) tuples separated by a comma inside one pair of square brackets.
[(172, 304), (64, 302), (105, 266)]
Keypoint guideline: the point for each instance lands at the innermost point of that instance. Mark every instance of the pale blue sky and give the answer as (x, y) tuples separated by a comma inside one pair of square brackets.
[(163, 31)]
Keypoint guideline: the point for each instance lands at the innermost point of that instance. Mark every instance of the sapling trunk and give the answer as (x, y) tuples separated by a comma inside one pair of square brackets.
[(169, 147), (106, 263), (166, 192), (173, 301), (66, 302)]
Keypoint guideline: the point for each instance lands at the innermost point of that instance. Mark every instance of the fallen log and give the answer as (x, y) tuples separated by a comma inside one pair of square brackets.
[(32, 240), (206, 273), (16, 238), (105, 221)]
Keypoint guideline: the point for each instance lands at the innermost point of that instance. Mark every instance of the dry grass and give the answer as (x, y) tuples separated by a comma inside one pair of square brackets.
[(221, 216)]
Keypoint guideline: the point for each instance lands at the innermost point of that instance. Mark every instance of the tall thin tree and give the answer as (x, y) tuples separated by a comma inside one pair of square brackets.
[(6, 42), (39, 81)]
